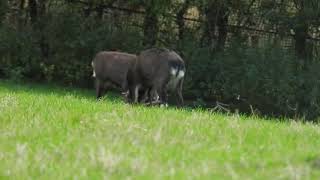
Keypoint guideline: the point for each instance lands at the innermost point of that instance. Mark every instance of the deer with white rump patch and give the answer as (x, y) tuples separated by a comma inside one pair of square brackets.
[(158, 70)]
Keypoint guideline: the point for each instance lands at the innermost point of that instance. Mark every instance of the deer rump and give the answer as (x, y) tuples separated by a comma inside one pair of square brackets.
[(157, 71), (110, 68)]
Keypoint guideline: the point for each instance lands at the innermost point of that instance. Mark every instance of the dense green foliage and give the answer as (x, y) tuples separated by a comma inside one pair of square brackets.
[(53, 133), (273, 72)]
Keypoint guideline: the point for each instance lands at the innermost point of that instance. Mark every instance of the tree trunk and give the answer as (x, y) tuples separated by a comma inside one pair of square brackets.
[(216, 25), (301, 31), (222, 28), (87, 10), (21, 6), (100, 10), (33, 11), (180, 20), (44, 44), (150, 27), (301, 34), (210, 25), (37, 16), (21, 13)]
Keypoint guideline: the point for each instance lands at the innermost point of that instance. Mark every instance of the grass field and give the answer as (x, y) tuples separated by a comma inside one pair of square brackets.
[(49, 132)]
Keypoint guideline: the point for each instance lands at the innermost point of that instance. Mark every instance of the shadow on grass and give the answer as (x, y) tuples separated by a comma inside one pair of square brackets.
[(59, 90)]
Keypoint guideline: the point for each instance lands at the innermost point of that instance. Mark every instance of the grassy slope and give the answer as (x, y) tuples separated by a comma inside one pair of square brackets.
[(49, 132)]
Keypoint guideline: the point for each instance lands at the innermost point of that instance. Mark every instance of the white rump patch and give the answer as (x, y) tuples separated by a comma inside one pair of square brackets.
[(173, 71), (93, 73), (176, 75), (181, 74)]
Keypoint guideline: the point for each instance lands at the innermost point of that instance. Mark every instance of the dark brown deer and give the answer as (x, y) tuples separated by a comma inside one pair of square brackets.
[(157, 70), (111, 68)]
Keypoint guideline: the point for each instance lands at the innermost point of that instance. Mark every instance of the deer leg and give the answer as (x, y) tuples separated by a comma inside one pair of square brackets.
[(179, 92), (136, 94), (163, 96), (99, 89), (124, 90), (145, 96), (153, 96), (131, 93)]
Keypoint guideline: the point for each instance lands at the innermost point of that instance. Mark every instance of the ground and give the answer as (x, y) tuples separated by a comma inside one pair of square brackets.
[(49, 132)]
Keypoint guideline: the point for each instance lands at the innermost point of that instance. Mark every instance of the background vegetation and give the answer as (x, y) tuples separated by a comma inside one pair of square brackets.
[(254, 55)]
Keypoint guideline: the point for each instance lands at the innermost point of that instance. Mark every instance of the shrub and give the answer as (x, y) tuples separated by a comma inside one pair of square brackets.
[(269, 79)]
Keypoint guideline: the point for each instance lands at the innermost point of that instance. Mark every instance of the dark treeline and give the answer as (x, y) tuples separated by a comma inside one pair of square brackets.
[(260, 55)]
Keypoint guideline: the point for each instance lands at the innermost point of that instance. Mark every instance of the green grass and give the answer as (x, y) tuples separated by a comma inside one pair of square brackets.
[(49, 132)]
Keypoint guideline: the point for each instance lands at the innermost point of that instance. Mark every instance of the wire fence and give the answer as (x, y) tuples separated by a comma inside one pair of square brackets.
[(257, 35)]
